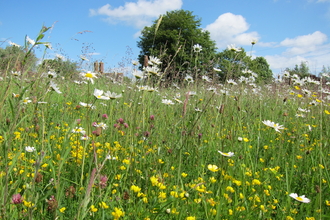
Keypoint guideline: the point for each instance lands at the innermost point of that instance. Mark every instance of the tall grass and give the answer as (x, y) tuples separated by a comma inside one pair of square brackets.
[(158, 161)]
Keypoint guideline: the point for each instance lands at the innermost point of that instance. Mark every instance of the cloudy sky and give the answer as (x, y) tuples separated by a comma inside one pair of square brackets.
[(288, 31)]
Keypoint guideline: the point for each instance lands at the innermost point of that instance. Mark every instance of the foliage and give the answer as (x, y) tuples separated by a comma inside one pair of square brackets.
[(172, 37), (234, 64), (12, 57), (60, 66), (302, 70), (260, 66)]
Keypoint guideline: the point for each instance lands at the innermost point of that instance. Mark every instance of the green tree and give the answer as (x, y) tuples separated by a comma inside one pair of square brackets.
[(302, 70), (260, 66), (12, 57), (232, 63), (172, 37), (61, 67)]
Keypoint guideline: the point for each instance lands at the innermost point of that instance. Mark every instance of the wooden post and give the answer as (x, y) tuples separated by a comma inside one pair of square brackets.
[(96, 67), (145, 63), (101, 67)]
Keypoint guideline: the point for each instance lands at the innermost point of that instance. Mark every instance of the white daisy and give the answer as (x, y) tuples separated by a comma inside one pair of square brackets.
[(300, 198), (274, 125), (229, 154), (29, 149)]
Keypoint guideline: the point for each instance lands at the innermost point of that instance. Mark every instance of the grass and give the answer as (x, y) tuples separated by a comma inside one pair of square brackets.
[(159, 161)]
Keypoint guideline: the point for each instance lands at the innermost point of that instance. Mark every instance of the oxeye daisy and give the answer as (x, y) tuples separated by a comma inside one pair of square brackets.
[(99, 94), (300, 198), (274, 125), (29, 149), (229, 154), (89, 76)]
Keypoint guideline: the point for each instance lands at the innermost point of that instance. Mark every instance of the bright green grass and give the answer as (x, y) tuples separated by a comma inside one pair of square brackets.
[(160, 170)]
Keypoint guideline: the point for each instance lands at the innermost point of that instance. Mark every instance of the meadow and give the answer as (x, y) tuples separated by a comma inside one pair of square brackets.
[(90, 147)]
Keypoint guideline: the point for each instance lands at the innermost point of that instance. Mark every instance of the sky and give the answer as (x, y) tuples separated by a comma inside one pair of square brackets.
[(288, 32)]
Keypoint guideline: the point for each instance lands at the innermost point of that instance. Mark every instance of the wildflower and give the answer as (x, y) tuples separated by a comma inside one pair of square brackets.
[(15, 95), (103, 181), (167, 102), (87, 105), (54, 87), (89, 76), (197, 48), (189, 79), (153, 70), (78, 130), (14, 44), (29, 149), (62, 209), (138, 74), (28, 204), (93, 209), (99, 94), (135, 63), (59, 56), (191, 218), (103, 205), (32, 42), (17, 199), (27, 100), (212, 168), (300, 198), (231, 82), (254, 41), (154, 61), (229, 154), (48, 45), (109, 157), (82, 57), (112, 95), (117, 213), (233, 47), (135, 188), (274, 125), (206, 78), (217, 70)]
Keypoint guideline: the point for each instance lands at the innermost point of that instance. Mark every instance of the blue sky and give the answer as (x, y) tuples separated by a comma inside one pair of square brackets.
[(288, 31)]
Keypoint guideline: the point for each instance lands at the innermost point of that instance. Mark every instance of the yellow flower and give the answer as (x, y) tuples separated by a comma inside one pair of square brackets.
[(212, 168), (256, 182), (184, 174), (93, 209), (327, 112), (117, 213), (162, 195), (28, 204), (327, 202), (212, 179), (136, 189), (62, 209), (230, 189), (191, 218), (103, 205)]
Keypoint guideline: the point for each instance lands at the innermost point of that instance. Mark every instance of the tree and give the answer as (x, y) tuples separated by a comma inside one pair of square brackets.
[(172, 37), (11, 59), (260, 66), (234, 63), (302, 70), (63, 68)]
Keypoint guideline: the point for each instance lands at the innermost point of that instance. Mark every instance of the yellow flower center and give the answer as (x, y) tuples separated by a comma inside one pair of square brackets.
[(89, 75)]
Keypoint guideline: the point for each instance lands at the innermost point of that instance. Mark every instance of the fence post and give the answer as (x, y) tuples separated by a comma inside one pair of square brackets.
[(96, 67), (101, 67)]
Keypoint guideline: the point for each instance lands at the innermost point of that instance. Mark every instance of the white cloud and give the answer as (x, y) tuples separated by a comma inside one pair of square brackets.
[(137, 14), (304, 44), (311, 48), (229, 28)]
